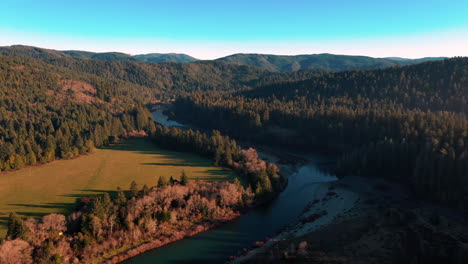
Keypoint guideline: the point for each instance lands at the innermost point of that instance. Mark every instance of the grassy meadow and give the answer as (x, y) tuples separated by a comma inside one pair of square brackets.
[(54, 187)]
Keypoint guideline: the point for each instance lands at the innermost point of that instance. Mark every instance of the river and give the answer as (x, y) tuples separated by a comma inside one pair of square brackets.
[(216, 245)]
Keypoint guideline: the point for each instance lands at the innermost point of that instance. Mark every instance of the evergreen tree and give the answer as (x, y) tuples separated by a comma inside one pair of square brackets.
[(16, 227), (161, 182), (183, 178), (133, 189), (145, 190), (121, 199)]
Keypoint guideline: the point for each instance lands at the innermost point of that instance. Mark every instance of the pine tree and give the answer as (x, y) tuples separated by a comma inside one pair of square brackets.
[(133, 189), (120, 199), (171, 180), (144, 190), (183, 178), (161, 182), (16, 227)]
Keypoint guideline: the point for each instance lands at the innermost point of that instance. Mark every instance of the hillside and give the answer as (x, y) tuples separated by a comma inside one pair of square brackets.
[(165, 80), (325, 61), (40, 53), (165, 57), (118, 56), (48, 112), (104, 56)]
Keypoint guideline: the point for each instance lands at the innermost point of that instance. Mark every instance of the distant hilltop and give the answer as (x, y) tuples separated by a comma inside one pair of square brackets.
[(283, 63)]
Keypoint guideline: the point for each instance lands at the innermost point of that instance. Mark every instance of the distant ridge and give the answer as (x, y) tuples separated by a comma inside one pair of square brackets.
[(165, 57), (118, 56), (284, 63), (104, 56), (274, 63)]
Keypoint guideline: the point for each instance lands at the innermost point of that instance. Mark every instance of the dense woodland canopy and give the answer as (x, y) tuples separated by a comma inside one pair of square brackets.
[(331, 62), (408, 124), (48, 113), (163, 80), (54, 105)]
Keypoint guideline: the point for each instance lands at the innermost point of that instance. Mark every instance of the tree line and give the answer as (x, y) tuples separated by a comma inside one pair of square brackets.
[(107, 225), (260, 176)]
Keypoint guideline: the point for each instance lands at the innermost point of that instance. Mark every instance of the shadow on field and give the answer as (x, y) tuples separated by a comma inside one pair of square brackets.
[(136, 144), (143, 146), (171, 164), (62, 208), (48, 205), (177, 159)]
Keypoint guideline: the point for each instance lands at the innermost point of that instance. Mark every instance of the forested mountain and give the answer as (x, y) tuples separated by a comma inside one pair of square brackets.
[(40, 53), (325, 61), (408, 124), (166, 80), (118, 56), (165, 57), (47, 112), (104, 56), (54, 105)]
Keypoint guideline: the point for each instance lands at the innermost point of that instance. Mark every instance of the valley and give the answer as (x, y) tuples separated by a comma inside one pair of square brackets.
[(77, 125), (235, 132)]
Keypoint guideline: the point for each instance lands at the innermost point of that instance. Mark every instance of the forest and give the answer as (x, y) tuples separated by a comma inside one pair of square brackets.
[(406, 124), (165, 81), (48, 113)]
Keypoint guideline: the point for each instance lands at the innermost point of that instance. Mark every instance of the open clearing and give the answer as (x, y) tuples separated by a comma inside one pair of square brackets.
[(54, 187)]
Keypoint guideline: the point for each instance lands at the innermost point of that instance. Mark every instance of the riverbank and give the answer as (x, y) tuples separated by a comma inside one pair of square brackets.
[(156, 243), (366, 220), (334, 202), (215, 245), (183, 234)]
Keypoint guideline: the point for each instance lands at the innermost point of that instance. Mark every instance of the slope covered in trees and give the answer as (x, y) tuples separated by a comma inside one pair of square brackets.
[(283, 63), (165, 80), (408, 124), (165, 57), (118, 56), (48, 112)]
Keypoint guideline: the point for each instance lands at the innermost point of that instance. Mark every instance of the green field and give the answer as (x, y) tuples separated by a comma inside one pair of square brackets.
[(54, 187)]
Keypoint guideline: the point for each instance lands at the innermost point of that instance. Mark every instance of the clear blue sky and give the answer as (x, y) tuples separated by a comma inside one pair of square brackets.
[(209, 28)]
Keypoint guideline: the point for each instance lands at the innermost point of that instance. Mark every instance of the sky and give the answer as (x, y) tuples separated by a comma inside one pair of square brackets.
[(208, 29)]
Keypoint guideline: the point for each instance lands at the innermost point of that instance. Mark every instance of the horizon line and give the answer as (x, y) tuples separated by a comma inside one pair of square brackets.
[(230, 54)]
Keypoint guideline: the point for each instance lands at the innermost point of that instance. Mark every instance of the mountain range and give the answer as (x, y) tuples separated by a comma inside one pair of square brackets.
[(331, 62), (274, 63)]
